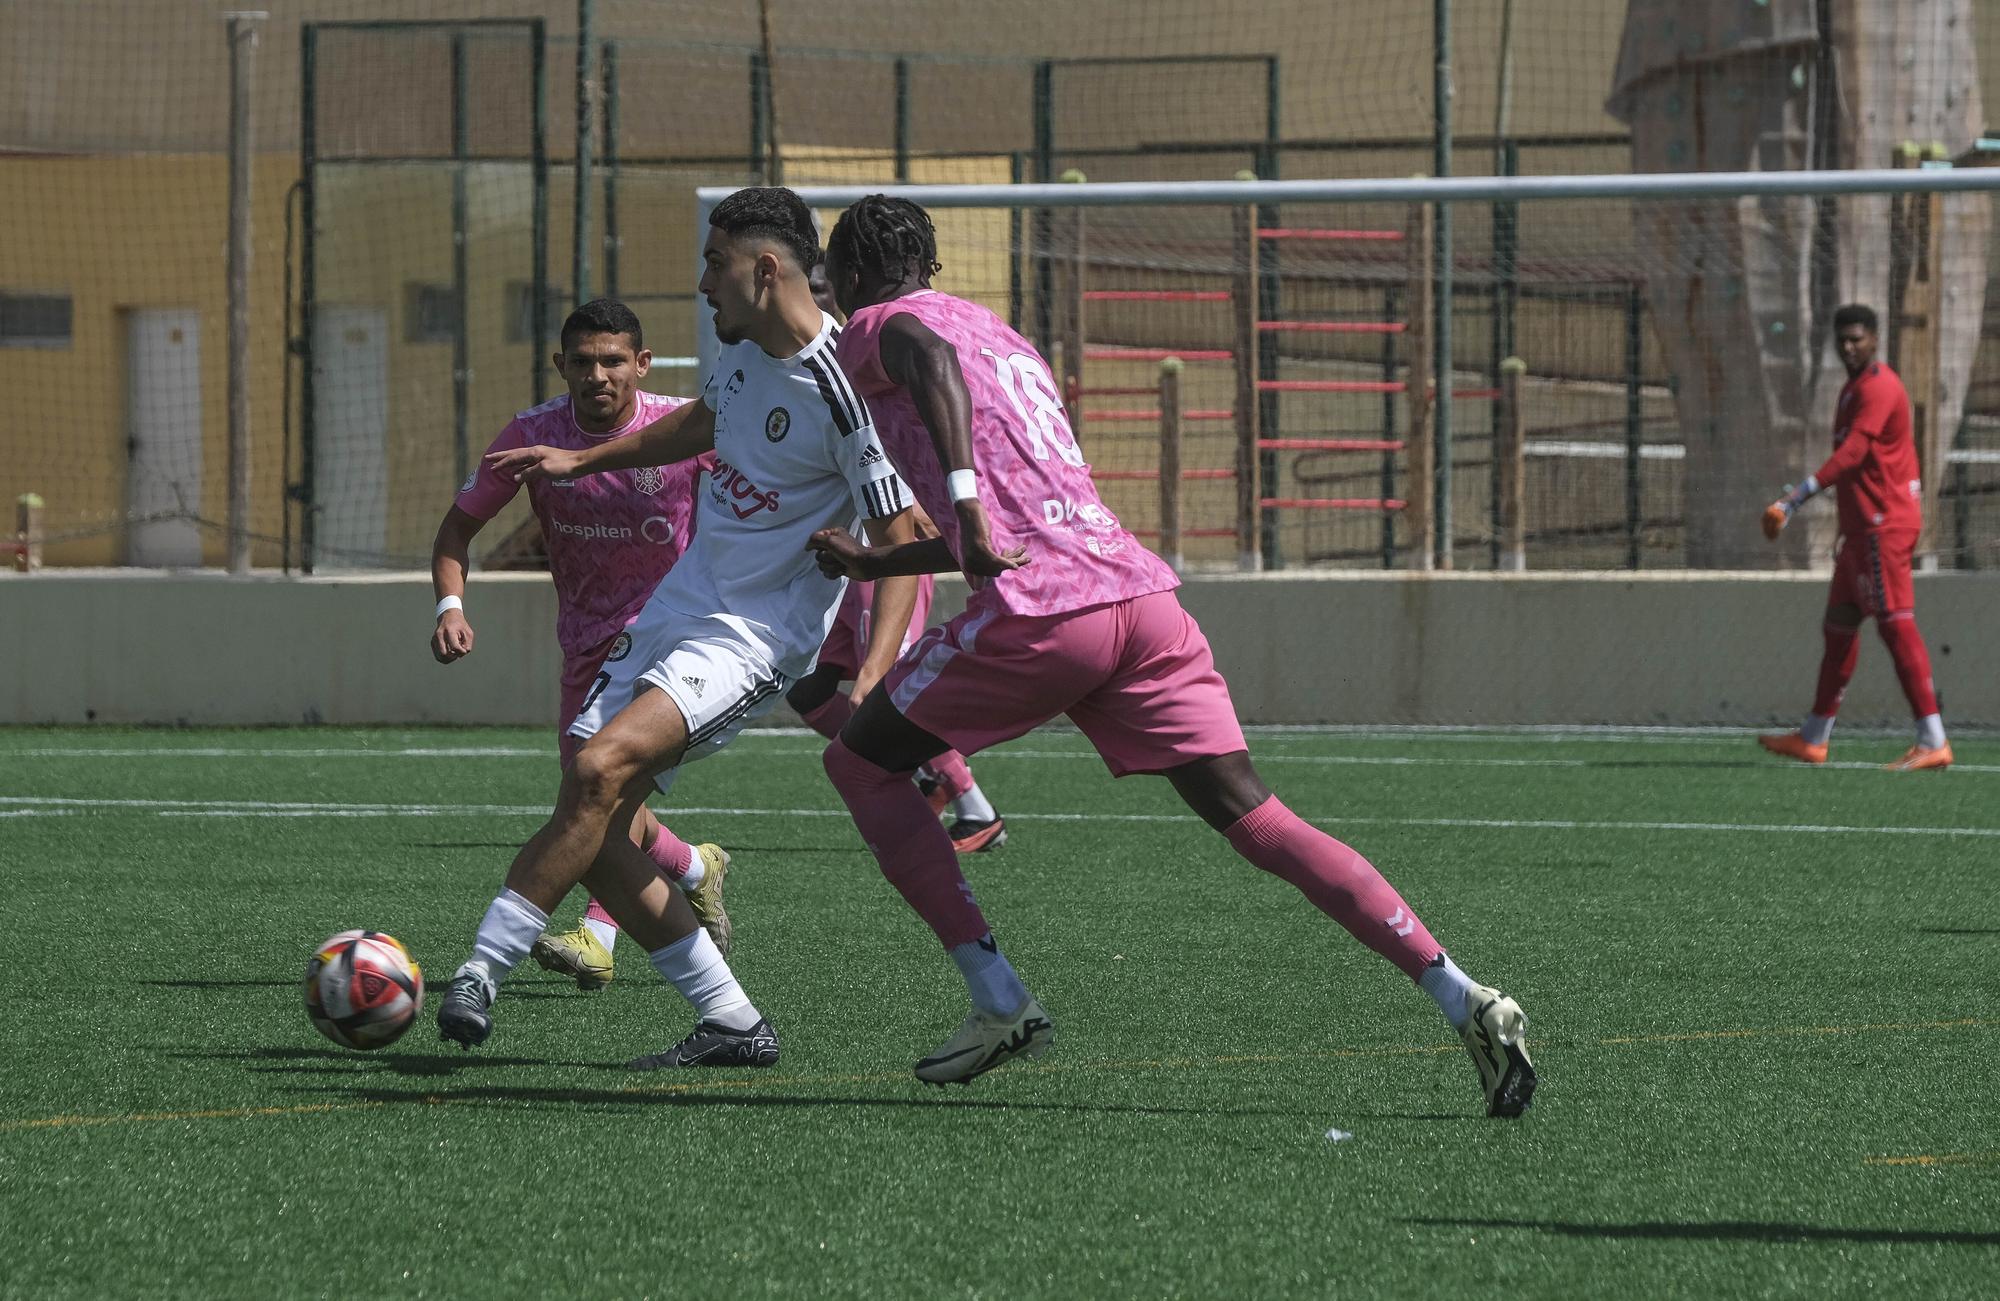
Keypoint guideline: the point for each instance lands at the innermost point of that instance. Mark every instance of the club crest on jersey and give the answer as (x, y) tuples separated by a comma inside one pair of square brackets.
[(649, 479), (621, 646), (777, 424)]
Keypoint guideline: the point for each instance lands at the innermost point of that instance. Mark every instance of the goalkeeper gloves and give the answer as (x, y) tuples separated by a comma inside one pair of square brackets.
[(1779, 513)]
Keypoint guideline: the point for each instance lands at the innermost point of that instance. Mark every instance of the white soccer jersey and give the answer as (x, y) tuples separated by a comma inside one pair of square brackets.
[(796, 452)]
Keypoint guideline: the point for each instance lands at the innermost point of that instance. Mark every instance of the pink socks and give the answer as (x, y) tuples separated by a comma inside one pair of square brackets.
[(1341, 883), (909, 842)]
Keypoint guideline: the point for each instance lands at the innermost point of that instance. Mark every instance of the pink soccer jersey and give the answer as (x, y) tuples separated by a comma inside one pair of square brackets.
[(1033, 480), (611, 537)]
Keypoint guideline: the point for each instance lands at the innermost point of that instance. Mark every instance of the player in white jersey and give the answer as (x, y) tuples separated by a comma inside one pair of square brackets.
[(737, 619)]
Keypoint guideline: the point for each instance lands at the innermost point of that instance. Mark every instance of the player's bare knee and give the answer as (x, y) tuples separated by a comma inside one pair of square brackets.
[(1221, 790), (601, 774)]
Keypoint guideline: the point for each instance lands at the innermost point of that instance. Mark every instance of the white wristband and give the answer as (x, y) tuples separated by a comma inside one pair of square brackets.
[(962, 484), (449, 603)]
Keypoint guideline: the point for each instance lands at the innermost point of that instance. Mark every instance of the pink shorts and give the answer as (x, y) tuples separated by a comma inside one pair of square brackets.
[(1135, 676), (847, 645), (579, 673)]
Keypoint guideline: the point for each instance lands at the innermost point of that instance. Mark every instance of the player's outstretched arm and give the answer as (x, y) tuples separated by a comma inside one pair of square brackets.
[(914, 356), (681, 435), (841, 554), (451, 638), (895, 602)]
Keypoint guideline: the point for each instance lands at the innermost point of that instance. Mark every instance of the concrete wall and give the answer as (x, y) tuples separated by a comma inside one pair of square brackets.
[(120, 647)]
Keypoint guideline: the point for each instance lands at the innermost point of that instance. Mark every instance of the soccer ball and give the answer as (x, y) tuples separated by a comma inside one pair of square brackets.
[(363, 989)]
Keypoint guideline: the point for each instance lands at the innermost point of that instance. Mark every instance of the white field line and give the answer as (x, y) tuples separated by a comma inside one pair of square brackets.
[(288, 809), (1003, 752)]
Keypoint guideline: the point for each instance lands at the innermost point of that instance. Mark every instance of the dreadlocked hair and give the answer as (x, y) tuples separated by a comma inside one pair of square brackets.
[(887, 239)]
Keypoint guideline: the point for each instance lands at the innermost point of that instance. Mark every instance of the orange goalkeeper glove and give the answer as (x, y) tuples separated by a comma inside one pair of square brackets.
[(1779, 513)]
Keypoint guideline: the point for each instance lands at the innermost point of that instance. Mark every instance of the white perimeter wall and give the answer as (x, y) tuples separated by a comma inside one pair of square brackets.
[(123, 647)]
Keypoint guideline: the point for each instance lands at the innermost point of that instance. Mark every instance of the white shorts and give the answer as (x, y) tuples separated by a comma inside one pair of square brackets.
[(719, 682)]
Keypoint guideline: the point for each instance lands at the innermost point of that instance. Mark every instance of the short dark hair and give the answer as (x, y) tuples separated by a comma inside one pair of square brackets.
[(1855, 314), (770, 212), (603, 316), (887, 239)]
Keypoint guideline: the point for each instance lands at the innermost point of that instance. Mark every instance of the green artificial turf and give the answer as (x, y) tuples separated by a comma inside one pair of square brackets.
[(1767, 1055)]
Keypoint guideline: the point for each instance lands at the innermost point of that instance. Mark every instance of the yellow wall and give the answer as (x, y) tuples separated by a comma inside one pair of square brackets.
[(117, 233)]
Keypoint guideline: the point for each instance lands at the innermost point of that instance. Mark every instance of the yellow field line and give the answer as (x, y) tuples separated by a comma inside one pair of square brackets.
[(1941, 1158), (1144, 1063), (1794, 1030)]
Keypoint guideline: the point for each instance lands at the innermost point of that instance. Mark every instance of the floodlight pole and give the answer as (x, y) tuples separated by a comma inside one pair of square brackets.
[(242, 72)]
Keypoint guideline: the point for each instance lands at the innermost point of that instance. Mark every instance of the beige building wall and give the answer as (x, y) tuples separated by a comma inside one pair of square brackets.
[(1672, 649)]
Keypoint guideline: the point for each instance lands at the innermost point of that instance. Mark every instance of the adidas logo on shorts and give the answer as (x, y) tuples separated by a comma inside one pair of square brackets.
[(695, 684)]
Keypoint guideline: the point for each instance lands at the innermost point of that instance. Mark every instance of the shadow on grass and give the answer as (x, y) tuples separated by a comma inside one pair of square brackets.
[(513, 845), (1729, 1231), (223, 984), (561, 987), (730, 1093), (326, 1061), (1681, 764)]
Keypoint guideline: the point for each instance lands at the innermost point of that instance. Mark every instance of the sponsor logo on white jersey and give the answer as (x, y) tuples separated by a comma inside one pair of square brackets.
[(732, 488)]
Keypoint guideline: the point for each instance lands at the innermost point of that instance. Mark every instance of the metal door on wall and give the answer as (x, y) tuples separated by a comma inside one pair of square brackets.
[(163, 437), (350, 360)]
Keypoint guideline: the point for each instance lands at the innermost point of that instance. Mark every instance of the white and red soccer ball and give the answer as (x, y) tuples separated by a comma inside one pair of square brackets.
[(363, 989)]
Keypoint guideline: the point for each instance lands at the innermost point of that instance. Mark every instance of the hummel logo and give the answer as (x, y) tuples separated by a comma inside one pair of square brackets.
[(697, 685), (1398, 925)]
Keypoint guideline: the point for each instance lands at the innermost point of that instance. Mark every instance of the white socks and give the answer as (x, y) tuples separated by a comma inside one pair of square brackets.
[(695, 872), (1448, 986), (1930, 730), (989, 978), (695, 967), (973, 806), (606, 932), (508, 930)]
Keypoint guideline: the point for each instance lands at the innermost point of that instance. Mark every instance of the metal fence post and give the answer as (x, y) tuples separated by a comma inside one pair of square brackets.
[(1170, 463)]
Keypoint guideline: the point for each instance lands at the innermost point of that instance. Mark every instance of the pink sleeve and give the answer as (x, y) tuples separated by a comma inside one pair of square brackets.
[(860, 351), (484, 493)]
